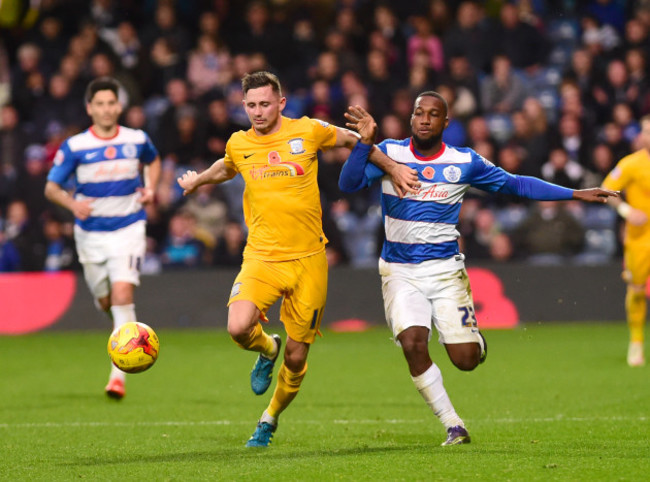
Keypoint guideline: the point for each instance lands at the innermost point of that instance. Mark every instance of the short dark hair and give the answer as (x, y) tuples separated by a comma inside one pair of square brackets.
[(259, 79), (433, 93), (101, 83)]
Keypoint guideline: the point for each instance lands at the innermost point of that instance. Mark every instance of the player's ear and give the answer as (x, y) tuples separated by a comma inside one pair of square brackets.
[(283, 103)]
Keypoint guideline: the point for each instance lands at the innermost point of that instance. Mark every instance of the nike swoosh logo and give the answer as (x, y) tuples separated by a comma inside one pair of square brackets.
[(90, 155), (246, 156)]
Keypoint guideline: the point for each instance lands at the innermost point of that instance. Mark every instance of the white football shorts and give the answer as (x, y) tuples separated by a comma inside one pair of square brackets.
[(110, 256), (435, 291)]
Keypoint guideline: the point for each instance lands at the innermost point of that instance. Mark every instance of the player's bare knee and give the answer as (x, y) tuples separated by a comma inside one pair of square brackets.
[(103, 303), (466, 364), (294, 363)]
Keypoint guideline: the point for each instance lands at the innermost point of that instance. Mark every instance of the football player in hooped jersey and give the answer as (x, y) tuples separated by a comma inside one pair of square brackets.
[(285, 251), (107, 204), (423, 274)]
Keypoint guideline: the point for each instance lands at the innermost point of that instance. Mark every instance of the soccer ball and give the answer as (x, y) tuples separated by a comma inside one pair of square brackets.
[(133, 347)]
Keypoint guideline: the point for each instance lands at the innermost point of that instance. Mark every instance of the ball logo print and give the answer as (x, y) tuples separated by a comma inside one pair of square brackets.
[(133, 347)]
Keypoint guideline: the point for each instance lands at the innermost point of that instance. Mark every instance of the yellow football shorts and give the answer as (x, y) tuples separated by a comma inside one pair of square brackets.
[(302, 282), (637, 264)]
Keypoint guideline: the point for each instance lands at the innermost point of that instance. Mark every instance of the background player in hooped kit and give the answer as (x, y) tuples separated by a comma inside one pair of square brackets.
[(285, 251), (109, 232), (423, 273), (632, 176)]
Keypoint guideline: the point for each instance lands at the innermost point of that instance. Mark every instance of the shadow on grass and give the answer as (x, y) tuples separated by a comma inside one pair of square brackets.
[(239, 454)]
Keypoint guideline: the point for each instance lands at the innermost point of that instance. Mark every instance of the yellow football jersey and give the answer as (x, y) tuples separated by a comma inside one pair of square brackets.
[(632, 175), (281, 199)]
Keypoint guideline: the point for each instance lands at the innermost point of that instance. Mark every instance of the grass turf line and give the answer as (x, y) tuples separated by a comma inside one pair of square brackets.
[(552, 402)]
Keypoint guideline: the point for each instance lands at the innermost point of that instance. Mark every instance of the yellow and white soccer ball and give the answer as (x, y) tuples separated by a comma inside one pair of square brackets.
[(133, 347)]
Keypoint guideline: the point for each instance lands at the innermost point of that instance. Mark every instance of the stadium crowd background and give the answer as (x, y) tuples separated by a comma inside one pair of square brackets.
[(546, 88)]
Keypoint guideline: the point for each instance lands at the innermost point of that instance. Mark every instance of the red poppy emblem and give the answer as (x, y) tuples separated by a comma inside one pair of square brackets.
[(428, 172), (110, 152)]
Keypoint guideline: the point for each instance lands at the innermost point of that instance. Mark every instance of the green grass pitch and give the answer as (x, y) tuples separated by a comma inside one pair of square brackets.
[(552, 402)]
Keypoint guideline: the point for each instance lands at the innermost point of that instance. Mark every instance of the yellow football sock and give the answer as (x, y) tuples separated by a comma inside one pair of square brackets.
[(286, 390), (259, 341), (636, 307)]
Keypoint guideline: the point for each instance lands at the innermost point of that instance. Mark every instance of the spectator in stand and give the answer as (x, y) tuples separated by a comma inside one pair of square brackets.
[(613, 89), (219, 128), (32, 178), (602, 162), (178, 97), (612, 135), (305, 48), (485, 229), (636, 35), (208, 67), (59, 106), (28, 83), (522, 43), (533, 145), (188, 146), (381, 84), (51, 41), (126, 46), (260, 34), (636, 63), (182, 249), (60, 252), (22, 238), (623, 117), (166, 26), (162, 67), (230, 246), (571, 137), (425, 40), (465, 81), (549, 235), (561, 170), (12, 145), (470, 37), (388, 26), (502, 91)]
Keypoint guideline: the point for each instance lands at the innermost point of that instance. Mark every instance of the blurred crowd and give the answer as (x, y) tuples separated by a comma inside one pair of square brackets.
[(546, 88)]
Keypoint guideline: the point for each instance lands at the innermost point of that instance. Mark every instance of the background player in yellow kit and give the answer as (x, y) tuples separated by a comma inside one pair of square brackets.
[(632, 175), (285, 251)]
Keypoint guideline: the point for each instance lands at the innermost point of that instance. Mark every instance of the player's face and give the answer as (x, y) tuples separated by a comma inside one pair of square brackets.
[(264, 107), (428, 120), (104, 109)]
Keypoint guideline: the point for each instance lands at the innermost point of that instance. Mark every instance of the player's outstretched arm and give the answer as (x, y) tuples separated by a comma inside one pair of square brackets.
[(215, 174), (594, 195)]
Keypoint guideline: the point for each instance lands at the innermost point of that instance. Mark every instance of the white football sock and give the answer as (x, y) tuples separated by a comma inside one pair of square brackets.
[(268, 419), (121, 314), (430, 386)]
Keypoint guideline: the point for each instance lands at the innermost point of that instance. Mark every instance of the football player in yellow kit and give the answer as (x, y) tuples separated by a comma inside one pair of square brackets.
[(632, 176), (285, 251)]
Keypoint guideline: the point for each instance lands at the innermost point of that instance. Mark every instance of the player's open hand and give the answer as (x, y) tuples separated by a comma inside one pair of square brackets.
[(404, 179), (82, 209), (147, 195), (594, 195), (188, 182), (362, 122)]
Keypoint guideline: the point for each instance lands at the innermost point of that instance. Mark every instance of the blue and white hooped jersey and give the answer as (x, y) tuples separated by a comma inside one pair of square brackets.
[(106, 171), (422, 226)]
